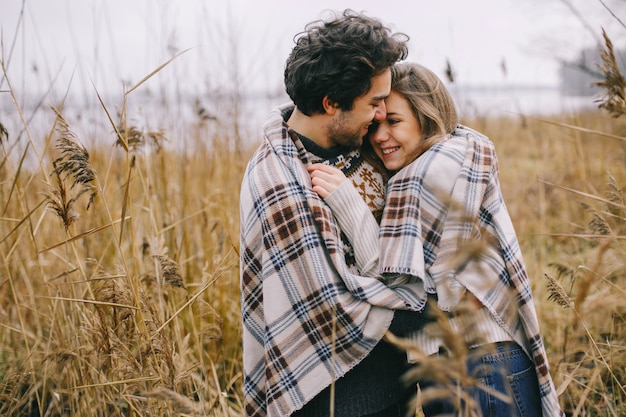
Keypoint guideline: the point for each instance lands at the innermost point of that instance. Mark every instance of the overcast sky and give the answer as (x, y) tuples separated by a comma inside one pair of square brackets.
[(70, 44)]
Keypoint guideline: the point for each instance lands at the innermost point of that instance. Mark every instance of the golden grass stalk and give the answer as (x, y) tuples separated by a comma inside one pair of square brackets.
[(74, 159), (615, 196), (179, 403), (558, 293), (170, 272), (446, 373), (4, 134), (614, 98), (73, 163), (135, 138), (60, 203)]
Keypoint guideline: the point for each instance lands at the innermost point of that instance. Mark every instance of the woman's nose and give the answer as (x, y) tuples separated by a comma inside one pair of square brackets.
[(381, 134)]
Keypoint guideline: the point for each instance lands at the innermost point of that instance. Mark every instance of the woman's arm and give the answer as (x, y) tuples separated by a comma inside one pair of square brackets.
[(358, 223), (352, 213)]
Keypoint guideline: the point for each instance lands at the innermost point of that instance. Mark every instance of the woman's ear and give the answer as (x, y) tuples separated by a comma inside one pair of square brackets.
[(330, 106)]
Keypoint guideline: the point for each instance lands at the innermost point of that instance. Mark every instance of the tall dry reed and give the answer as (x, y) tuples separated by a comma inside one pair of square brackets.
[(119, 276)]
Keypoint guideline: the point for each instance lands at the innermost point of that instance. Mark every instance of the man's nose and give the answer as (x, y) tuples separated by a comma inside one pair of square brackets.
[(381, 112)]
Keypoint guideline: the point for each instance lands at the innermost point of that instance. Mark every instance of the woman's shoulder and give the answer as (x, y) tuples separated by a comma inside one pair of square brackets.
[(467, 133), (479, 148), (443, 160)]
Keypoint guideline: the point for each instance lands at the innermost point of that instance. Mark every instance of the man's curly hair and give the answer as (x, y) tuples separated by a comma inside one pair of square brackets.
[(338, 58)]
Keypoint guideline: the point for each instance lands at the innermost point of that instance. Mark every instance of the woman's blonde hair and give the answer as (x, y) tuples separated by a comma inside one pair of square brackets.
[(429, 98), (430, 101)]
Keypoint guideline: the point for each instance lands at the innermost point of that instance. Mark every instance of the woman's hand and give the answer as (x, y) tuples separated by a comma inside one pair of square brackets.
[(325, 179)]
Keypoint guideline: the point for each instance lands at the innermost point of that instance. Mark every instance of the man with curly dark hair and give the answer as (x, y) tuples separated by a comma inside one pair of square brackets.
[(313, 323)]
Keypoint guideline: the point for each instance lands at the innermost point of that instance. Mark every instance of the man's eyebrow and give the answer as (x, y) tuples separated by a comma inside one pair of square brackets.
[(378, 98)]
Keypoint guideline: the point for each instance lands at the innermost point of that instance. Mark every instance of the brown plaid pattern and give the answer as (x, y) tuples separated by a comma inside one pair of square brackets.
[(449, 197), (307, 318)]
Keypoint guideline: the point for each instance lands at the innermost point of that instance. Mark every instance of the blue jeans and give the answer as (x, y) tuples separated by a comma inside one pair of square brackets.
[(501, 367)]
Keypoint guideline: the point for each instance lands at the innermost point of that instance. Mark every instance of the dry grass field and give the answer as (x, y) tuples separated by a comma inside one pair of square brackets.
[(119, 269)]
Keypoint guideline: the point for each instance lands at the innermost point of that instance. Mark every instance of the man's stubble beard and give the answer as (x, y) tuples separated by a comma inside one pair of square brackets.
[(340, 136)]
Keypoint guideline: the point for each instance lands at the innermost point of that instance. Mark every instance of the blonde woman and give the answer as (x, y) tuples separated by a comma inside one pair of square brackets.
[(444, 194)]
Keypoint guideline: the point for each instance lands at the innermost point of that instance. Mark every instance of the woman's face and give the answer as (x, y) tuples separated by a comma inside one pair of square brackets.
[(397, 139)]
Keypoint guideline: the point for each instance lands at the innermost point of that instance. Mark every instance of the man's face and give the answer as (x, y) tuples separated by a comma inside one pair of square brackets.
[(350, 126)]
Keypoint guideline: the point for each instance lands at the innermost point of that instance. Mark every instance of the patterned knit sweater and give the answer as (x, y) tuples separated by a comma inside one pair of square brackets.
[(376, 382)]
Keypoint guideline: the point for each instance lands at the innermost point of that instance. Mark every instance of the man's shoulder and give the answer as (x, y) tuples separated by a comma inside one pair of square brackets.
[(277, 118), (262, 158), (270, 164)]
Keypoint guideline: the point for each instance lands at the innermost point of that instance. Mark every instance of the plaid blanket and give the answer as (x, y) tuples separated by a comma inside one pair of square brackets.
[(307, 319), (439, 209)]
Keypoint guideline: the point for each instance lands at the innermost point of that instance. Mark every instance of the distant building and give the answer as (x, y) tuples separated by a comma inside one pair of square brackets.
[(576, 77)]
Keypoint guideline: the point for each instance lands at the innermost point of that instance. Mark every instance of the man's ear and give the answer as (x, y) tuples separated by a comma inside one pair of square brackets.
[(330, 106)]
